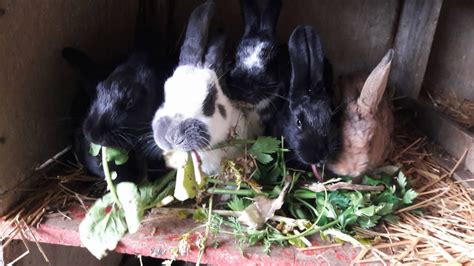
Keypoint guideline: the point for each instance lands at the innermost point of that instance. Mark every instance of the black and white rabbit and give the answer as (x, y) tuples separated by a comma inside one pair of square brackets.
[(196, 113), (259, 75), (308, 122)]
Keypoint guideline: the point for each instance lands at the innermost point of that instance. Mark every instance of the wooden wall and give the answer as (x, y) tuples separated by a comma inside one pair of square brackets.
[(355, 34), (451, 64), (37, 85)]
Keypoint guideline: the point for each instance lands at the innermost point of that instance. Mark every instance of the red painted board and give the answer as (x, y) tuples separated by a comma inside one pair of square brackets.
[(159, 237)]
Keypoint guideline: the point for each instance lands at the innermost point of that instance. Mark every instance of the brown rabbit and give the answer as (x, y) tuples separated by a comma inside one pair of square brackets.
[(367, 122)]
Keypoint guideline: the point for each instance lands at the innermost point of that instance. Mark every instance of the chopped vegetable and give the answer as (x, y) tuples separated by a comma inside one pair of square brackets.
[(186, 186)]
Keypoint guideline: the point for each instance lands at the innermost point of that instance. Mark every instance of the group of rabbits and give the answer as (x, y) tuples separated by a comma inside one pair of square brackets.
[(157, 109)]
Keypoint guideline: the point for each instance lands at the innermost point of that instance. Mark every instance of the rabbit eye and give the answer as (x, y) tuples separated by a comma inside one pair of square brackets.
[(298, 123), (129, 104)]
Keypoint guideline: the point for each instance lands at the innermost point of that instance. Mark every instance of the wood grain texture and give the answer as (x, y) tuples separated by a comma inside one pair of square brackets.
[(37, 85), (160, 233), (414, 37), (354, 34)]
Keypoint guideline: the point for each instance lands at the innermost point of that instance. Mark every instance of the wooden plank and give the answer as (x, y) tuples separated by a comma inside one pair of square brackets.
[(413, 40), (441, 129), (463, 176), (160, 233)]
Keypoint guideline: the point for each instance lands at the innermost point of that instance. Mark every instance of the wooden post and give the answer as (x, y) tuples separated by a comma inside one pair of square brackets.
[(416, 29)]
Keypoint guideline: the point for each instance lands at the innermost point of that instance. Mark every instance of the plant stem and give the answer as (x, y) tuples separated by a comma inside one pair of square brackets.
[(167, 191), (222, 182), (310, 231), (202, 244), (108, 178), (165, 180), (240, 192), (231, 142)]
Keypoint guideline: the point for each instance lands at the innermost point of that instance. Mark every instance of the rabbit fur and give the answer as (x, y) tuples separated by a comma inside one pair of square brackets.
[(196, 113), (367, 121), (308, 121), (260, 72)]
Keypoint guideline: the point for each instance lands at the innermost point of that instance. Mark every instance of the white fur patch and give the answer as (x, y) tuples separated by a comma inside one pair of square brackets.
[(254, 59), (264, 103), (185, 92)]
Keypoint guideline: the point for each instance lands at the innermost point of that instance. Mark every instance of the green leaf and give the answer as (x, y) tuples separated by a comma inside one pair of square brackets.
[(384, 208), (200, 215), (264, 146), (402, 181), (118, 156), (101, 231), (263, 158), (356, 198), (339, 199), (94, 149), (367, 211), (368, 222), (388, 196), (330, 211), (347, 217), (238, 204), (147, 192), (132, 205), (371, 181), (409, 196)]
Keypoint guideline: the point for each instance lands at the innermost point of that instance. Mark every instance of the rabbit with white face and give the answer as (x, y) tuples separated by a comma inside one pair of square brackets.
[(259, 75), (196, 113), (308, 122)]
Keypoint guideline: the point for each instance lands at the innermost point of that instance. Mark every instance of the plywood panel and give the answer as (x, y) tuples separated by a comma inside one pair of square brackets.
[(355, 34), (451, 64), (36, 85)]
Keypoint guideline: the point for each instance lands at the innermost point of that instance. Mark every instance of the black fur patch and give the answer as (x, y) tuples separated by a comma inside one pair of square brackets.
[(209, 104), (222, 110)]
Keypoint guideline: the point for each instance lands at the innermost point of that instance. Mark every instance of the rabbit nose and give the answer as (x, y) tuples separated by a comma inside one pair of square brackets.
[(161, 127), (175, 137)]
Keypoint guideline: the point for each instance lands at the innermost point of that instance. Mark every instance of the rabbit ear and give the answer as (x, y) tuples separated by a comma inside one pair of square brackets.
[(249, 15), (374, 86), (195, 41), (214, 58), (307, 59), (270, 16)]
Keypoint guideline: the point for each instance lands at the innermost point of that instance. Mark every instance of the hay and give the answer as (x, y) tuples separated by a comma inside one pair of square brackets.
[(461, 111), (62, 185), (443, 234)]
